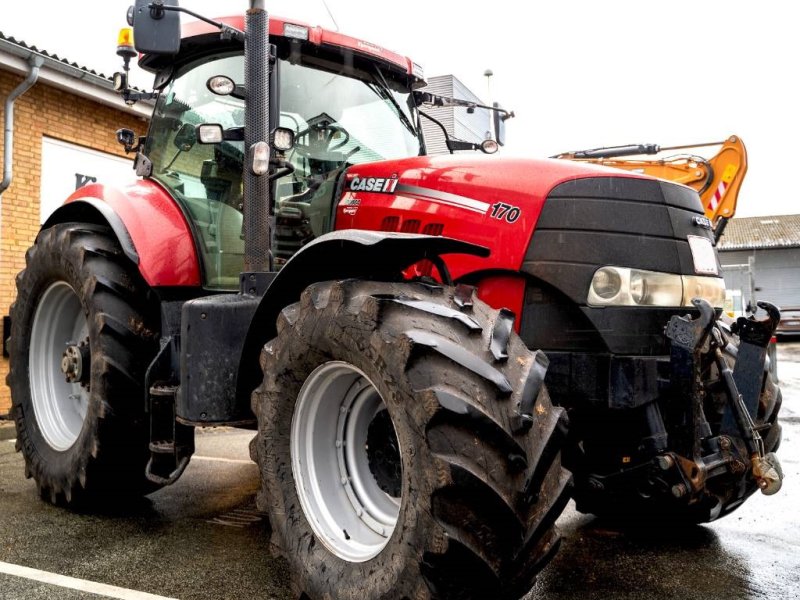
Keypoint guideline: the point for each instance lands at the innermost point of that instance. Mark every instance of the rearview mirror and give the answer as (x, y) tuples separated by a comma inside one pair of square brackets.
[(500, 117), (155, 30)]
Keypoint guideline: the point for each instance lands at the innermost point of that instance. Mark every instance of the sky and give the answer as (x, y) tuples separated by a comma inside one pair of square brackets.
[(578, 73)]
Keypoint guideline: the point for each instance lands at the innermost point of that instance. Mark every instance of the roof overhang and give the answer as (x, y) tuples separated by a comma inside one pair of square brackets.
[(67, 77)]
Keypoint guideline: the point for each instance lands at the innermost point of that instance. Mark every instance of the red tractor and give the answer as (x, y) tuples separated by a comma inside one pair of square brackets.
[(431, 349)]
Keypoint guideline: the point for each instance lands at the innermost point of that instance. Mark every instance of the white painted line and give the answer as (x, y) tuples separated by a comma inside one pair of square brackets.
[(12, 441), (238, 461), (82, 585)]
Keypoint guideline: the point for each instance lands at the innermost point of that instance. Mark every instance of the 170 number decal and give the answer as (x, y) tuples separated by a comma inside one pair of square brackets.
[(505, 212)]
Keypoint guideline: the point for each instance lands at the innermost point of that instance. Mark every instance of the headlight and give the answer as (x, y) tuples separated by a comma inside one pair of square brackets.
[(620, 286), (709, 288), (606, 283)]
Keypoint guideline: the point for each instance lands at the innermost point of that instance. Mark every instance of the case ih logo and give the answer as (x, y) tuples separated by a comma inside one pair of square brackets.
[(383, 185)]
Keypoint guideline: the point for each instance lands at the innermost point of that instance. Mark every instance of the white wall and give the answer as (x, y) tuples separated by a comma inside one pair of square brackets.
[(66, 167)]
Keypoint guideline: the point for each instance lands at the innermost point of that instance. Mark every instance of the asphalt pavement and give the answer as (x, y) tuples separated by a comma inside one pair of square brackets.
[(204, 538)]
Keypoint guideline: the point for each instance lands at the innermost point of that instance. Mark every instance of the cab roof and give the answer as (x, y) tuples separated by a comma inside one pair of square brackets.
[(317, 36)]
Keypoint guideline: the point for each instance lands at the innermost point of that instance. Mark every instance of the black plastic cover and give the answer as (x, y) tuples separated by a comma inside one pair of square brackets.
[(213, 331)]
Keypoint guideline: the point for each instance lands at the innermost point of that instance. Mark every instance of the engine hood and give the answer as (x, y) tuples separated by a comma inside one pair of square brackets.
[(490, 201)]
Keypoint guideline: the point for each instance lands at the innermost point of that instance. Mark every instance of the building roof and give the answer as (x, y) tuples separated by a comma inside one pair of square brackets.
[(50, 55), (750, 233), (62, 73)]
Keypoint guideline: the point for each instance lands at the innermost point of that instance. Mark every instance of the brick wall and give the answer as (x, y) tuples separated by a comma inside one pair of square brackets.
[(43, 111)]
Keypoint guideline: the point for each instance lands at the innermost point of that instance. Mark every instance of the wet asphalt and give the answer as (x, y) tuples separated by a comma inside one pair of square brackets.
[(203, 538)]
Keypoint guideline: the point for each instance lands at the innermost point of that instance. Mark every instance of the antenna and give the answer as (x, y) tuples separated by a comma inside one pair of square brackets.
[(330, 14)]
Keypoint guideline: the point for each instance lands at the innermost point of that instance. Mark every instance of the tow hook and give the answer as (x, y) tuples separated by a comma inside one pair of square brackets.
[(768, 473)]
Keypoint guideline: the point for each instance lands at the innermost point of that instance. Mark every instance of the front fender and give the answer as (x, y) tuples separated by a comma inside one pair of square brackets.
[(149, 225), (346, 254)]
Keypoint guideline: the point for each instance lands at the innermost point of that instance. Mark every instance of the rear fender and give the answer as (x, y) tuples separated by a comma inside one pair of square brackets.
[(149, 225), (342, 254)]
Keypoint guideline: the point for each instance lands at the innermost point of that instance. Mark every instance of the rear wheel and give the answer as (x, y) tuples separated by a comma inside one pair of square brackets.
[(84, 330), (393, 463)]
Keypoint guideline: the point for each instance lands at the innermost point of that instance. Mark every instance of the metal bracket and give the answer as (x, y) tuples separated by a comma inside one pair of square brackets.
[(691, 333), (754, 337), (688, 337), (759, 331)]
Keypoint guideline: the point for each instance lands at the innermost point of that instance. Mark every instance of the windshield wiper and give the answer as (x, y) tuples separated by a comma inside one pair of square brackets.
[(381, 88)]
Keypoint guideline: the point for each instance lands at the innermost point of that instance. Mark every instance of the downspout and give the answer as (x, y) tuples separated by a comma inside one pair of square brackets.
[(35, 63), (8, 141)]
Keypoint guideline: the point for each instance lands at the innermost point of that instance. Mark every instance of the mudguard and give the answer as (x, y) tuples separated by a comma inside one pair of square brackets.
[(149, 225), (350, 253)]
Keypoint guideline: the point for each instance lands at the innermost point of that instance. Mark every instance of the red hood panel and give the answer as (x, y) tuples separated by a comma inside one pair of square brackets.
[(481, 199)]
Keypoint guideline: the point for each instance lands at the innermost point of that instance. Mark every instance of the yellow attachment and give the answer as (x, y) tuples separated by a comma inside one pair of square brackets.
[(717, 179), (125, 37), (125, 45)]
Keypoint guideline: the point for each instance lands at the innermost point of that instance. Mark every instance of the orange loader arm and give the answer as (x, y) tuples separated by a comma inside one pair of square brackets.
[(717, 179)]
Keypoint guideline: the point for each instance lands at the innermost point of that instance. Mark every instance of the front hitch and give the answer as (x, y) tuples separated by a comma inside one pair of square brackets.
[(693, 338)]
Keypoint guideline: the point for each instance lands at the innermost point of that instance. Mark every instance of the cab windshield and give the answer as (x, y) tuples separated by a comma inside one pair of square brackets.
[(341, 116)]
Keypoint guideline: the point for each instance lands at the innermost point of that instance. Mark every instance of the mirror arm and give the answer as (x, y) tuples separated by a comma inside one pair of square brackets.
[(436, 100), (227, 32), (442, 127)]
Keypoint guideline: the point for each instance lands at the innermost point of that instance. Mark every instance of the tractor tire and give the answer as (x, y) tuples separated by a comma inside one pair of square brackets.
[(84, 330), (393, 463), (723, 494)]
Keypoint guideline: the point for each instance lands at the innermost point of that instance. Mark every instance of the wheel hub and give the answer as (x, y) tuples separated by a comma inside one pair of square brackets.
[(75, 363)]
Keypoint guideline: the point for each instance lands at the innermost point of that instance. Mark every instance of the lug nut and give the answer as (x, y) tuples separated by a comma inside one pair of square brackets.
[(725, 442), (665, 462), (679, 490)]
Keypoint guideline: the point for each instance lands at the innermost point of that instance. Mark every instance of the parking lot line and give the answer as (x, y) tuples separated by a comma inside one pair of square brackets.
[(81, 585)]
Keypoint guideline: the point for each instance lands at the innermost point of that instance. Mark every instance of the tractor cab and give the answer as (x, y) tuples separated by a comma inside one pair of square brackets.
[(342, 107)]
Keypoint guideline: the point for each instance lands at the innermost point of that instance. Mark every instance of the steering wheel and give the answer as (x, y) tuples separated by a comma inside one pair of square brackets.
[(320, 138)]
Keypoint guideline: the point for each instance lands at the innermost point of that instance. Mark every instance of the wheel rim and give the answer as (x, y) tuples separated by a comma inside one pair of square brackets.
[(346, 468), (60, 406)]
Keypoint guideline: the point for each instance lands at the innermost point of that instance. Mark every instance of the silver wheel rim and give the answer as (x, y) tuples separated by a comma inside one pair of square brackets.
[(60, 407), (342, 500)]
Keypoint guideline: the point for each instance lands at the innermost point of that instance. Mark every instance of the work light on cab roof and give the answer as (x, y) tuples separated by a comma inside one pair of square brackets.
[(297, 32)]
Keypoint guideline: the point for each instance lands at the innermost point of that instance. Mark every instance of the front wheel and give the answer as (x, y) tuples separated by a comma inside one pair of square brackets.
[(393, 462)]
